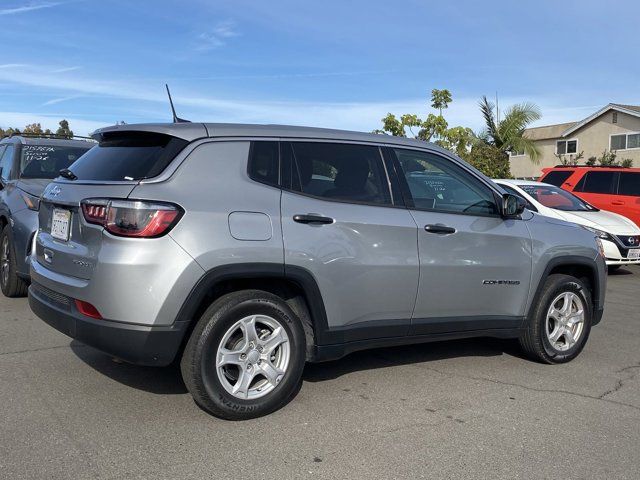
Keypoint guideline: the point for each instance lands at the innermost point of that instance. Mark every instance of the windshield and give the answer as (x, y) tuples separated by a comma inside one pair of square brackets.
[(554, 197), (45, 161)]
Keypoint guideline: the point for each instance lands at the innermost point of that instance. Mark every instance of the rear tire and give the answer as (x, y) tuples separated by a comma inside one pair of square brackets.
[(560, 323), (10, 283), (245, 356)]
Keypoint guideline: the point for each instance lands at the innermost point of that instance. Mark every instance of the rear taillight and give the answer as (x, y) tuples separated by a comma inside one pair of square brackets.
[(131, 218)]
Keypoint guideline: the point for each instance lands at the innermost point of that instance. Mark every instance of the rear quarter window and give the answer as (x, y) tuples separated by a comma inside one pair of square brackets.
[(557, 177), (264, 162), (629, 184), (128, 156)]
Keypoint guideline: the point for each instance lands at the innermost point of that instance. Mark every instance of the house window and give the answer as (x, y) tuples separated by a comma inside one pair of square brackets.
[(614, 118), (566, 146), (625, 141), (519, 153)]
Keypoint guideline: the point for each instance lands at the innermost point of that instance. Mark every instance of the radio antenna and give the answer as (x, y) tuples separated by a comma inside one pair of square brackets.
[(176, 118)]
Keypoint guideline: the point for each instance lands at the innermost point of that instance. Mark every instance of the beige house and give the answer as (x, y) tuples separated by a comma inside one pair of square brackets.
[(614, 128)]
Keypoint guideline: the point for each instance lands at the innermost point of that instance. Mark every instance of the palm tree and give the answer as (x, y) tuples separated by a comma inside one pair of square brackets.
[(507, 134)]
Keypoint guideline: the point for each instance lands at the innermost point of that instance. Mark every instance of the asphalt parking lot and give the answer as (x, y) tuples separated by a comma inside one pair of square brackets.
[(464, 409)]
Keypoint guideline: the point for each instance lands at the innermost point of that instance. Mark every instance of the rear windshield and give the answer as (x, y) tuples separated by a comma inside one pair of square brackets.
[(128, 156), (45, 161)]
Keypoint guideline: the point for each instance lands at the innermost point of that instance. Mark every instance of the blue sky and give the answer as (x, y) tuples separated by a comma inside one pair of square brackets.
[(341, 64)]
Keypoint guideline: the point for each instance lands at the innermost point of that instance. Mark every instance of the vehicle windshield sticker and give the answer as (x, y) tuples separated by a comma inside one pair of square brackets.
[(38, 153), (46, 154)]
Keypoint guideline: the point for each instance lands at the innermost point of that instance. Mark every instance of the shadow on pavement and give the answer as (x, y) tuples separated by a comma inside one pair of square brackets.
[(168, 380), (410, 354), (620, 272), (159, 380)]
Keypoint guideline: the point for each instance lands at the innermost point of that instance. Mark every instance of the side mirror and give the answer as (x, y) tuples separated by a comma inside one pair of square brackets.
[(512, 205)]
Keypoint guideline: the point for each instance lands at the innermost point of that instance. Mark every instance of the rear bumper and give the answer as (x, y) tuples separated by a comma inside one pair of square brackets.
[(138, 344)]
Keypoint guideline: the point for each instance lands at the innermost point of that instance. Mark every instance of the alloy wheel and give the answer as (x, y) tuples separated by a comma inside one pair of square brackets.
[(253, 356), (565, 321)]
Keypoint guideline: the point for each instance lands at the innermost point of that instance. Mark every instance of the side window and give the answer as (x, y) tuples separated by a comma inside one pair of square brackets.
[(6, 162), (598, 182), (439, 184), (513, 191), (629, 184), (557, 177), (338, 171), (264, 163)]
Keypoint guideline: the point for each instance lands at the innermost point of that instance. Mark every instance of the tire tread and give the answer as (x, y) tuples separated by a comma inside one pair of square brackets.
[(16, 287)]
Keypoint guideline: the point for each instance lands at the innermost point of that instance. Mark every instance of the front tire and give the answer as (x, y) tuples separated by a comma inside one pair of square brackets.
[(10, 283), (245, 356), (560, 323)]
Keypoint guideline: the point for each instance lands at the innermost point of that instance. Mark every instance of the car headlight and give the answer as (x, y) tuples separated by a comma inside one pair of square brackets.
[(599, 233), (600, 247), (33, 202)]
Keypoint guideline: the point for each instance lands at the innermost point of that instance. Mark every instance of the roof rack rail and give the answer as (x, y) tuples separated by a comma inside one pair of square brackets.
[(46, 135), (590, 166)]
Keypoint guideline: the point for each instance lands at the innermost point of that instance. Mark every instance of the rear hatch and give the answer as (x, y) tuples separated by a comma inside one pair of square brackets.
[(66, 242)]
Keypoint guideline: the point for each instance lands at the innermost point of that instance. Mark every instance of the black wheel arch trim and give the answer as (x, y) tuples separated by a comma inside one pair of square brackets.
[(243, 271), (5, 218), (573, 261)]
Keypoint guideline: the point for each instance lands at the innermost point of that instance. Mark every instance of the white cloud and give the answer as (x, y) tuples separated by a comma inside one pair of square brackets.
[(66, 69), (13, 65), (217, 37), (28, 8), (55, 101), (364, 116)]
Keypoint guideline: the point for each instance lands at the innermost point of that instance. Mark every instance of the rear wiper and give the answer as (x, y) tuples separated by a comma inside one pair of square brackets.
[(66, 173)]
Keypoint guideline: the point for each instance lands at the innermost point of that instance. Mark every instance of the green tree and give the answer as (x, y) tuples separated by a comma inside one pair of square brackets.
[(34, 129), (458, 139), (507, 134), (9, 131), (64, 130), (434, 128), (440, 99), (489, 159)]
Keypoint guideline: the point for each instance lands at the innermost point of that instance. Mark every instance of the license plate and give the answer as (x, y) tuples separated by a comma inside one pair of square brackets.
[(634, 254), (60, 223)]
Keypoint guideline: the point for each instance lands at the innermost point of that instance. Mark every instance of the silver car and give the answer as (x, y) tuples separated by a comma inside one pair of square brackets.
[(244, 251)]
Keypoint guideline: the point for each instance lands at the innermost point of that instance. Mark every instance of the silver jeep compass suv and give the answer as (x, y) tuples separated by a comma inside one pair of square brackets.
[(244, 251)]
